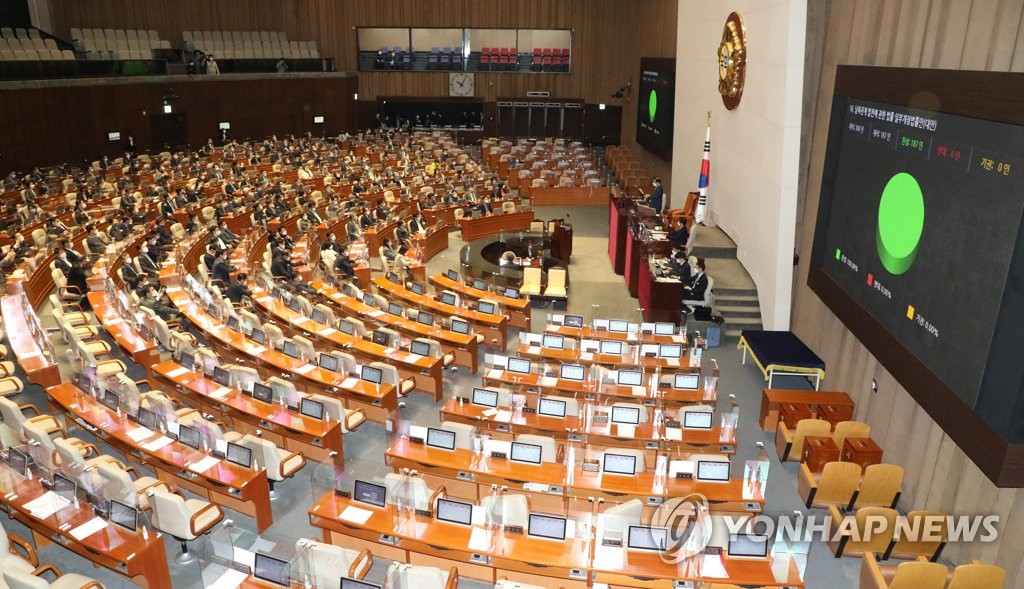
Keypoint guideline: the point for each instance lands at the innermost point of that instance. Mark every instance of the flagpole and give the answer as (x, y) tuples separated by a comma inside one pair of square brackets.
[(705, 177)]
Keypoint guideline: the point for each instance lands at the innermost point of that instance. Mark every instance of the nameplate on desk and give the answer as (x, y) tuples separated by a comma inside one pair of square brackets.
[(591, 467), (513, 529), (672, 423), (341, 493), (415, 440), (600, 419), (529, 410), (575, 437), (423, 512), (684, 475), (499, 455)]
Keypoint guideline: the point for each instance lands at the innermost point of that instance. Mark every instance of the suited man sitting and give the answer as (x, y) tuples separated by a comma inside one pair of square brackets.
[(281, 266), (680, 236), (657, 198), (237, 290), (366, 220), (226, 235), (146, 262), (222, 269), (697, 288), (343, 265)]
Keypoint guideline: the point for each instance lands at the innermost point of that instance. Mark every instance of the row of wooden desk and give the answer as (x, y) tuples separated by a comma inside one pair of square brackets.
[(518, 310), (494, 224)]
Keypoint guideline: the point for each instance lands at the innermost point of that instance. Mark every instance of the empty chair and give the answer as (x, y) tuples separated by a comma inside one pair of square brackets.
[(531, 281), (615, 520), (410, 490), (275, 337), (407, 576), (349, 419), (865, 535), (306, 349), (880, 486), (183, 519), (20, 580), (323, 564), (924, 533), (13, 420), (284, 390), (549, 448), (835, 486), (977, 576), (907, 575), (329, 318), (393, 336), (556, 283), (391, 377), (515, 508), (346, 362), (789, 444), (849, 429), (10, 559), (436, 351), (278, 462), (36, 432), (464, 433), (85, 357)]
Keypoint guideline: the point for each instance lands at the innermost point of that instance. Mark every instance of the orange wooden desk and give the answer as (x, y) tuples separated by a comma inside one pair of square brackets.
[(629, 359), (535, 383), (633, 337), (772, 399), (144, 352), (494, 224), (316, 439), (462, 346), (571, 195), (425, 371), (422, 540), (20, 323), (519, 310), (376, 401), (375, 236), (433, 243), (492, 327), (244, 490), (143, 561)]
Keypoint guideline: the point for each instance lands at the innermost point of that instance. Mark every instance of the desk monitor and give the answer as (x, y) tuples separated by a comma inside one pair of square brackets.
[(148, 419), (368, 299), (186, 361), (311, 408), (258, 336), (419, 348), (270, 569), (611, 347), (487, 307), (670, 351), (240, 455), (555, 342), (748, 545), (479, 284), (369, 493), (629, 378), (548, 527), (395, 309), (448, 298), (83, 381), (619, 464), (459, 326), (329, 362), (111, 400), (519, 365), (713, 471), (393, 278), (528, 453), (350, 583), (262, 392), (318, 316), (647, 538), (664, 329), (290, 349), (626, 415), (452, 275), (190, 436), (372, 374), (276, 293), (456, 512), (573, 321), (512, 293), (686, 381), (551, 407), (221, 376), (440, 438), (618, 325), (64, 486), (18, 461), (380, 338), (425, 318), (233, 324), (295, 305), (347, 327), (572, 372), (698, 419), (123, 515), (418, 288), (485, 397)]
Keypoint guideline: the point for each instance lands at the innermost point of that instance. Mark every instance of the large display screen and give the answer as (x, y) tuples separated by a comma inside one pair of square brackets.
[(655, 105), (918, 246)]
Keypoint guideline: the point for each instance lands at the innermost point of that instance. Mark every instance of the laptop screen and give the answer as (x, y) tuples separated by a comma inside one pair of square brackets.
[(630, 378), (262, 392), (572, 372), (64, 486), (232, 323), (111, 400), (519, 365), (748, 545), (528, 453), (647, 538), (371, 374), (318, 316), (479, 284), (347, 327), (221, 376), (186, 361), (395, 309), (148, 419), (271, 569), (290, 349), (311, 408), (573, 321), (456, 512), (555, 342), (380, 338), (688, 381), (611, 347), (393, 278), (240, 455), (550, 527), (551, 407), (258, 336), (440, 438), (485, 397), (626, 415), (619, 464), (369, 493)]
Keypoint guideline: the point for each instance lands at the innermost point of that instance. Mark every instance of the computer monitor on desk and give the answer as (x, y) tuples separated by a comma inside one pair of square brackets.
[(546, 527), (526, 453), (417, 288), (350, 583), (369, 493), (626, 415), (611, 347), (371, 374), (271, 569), (328, 362), (455, 512), (647, 538), (618, 325), (485, 397), (573, 321), (460, 326), (670, 351), (551, 407), (519, 365), (664, 329), (424, 318), (623, 464), (262, 392), (555, 342), (629, 378), (712, 471), (686, 381), (440, 438), (448, 298), (574, 372)]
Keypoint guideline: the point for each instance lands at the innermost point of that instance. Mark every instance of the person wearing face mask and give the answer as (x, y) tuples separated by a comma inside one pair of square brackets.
[(152, 298), (146, 262), (331, 243), (657, 198)]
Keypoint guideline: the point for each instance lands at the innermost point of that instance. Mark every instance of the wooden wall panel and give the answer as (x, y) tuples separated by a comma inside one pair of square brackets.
[(49, 125), (929, 33)]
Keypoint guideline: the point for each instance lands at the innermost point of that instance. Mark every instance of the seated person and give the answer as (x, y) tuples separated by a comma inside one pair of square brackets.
[(696, 289), (679, 236), (237, 290), (343, 266), (150, 297)]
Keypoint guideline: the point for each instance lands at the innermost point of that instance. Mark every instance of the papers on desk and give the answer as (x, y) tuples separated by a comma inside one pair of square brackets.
[(88, 528), (355, 515), (503, 415), (117, 321), (533, 350), (140, 433), (673, 362), (231, 579), (490, 412), (327, 332), (679, 339), (349, 382), (256, 351), (220, 393), (305, 369), (530, 338), (494, 373), (639, 391), (46, 505), (265, 300), (479, 540), (674, 433), (375, 313), (588, 356), (204, 465), (157, 443), (418, 431), (548, 381), (172, 289), (713, 567), (300, 319), (178, 372)]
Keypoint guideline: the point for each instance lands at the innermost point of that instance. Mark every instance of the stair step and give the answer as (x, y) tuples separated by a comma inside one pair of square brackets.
[(730, 312), (733, 299), (714, 252), (739, 292)]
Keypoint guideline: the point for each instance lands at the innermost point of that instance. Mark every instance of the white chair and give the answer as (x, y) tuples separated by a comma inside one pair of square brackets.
[(242, 377), (10, 559), (394, 338), (84, 357), (707, 301), (172, 340), (306, 349), (349, 419), (515, 508), (283, 389), (346, 362), (323, 564), (531, 282), (13, 420), (329, 318), (275, 337), (305, 307), (615, 520), (280, 464), (548, 446), (556, 283), (410, 490), (358, 327), (19, 580), (452, 295), (407, 576), (391, 377), (183, 519), (436, 351), (463, 433), (508, 206)]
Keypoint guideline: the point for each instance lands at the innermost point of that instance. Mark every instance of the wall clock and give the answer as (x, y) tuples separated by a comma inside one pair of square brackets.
[(732, 61), (461, 84)]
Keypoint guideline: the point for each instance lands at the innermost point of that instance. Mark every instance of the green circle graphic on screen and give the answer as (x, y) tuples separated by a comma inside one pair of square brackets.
[(652, 105), (900, 223)]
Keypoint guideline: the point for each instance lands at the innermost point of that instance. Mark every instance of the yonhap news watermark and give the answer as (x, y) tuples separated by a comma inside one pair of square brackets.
[(684, 526)]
